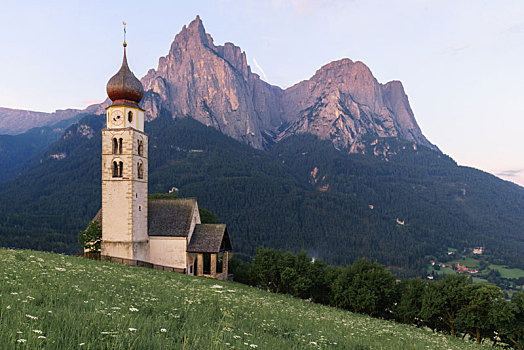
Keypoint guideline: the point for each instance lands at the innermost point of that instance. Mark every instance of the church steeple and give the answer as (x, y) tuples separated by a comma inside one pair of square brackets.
[(124, 87), (124, 170)]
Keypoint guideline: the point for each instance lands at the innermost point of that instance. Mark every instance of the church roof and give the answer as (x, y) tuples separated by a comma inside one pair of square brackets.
[(209, 238), (170, 217), (124, 86)]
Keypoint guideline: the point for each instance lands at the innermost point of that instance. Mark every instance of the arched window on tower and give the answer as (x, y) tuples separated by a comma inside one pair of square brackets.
[(120, 141), (130, 116), (140, 170), (140, 148), (120, 168), (115, 169), (115, 145)]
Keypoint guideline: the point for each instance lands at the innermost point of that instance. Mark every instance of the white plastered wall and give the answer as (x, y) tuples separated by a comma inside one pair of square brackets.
[(168, 251)]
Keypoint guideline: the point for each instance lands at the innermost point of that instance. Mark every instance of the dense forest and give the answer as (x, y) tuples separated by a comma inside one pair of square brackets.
[(397, 203)]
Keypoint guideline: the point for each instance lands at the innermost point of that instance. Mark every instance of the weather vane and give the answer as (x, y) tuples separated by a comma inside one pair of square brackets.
[(124, 24)]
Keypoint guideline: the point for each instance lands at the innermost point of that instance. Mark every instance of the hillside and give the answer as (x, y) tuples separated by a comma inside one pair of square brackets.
[(345, 209), (56, 301)]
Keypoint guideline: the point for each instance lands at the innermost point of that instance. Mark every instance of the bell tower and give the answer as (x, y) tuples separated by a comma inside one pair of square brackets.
[(124, 170)]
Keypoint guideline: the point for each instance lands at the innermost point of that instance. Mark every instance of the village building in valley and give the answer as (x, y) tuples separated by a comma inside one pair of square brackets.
[(137, 230)]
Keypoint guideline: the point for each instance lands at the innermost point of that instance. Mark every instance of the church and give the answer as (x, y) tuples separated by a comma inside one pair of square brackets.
[(164, 234)]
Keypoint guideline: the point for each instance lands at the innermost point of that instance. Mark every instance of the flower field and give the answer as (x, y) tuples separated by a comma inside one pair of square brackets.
[(50, 301)]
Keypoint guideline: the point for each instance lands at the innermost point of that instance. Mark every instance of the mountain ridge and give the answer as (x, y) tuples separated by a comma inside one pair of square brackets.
[(347, 99), (214, 84)]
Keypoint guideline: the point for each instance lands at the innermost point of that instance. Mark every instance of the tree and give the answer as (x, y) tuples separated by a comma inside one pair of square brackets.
[(242, 271), (509, 321), (442, 300), (364, 287), (411, 293), (303, 284), (91, 237), (476, 317), (321, 283), (266, 268), (207, 217)]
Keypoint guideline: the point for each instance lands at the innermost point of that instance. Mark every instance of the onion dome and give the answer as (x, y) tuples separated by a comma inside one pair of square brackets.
[(124, 87)]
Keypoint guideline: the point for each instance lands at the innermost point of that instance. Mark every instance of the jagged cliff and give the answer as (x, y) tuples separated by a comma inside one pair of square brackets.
[(214, 85), (342, 102)]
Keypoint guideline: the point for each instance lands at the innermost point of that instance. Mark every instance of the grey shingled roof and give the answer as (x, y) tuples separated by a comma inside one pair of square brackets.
[(170, 217), (209, 238)]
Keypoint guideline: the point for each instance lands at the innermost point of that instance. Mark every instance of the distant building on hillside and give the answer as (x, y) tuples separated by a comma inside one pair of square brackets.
[(478, 250), (461, 268), (160, 233)]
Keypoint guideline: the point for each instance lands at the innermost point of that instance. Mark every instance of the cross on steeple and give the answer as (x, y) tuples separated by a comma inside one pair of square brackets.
[(124, 24)]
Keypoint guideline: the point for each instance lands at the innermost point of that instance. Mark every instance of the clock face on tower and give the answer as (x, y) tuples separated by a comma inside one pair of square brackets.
[(117, 117)]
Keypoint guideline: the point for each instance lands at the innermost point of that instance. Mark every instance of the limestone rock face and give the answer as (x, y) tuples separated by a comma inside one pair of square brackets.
[(214, 85), (342, 102)]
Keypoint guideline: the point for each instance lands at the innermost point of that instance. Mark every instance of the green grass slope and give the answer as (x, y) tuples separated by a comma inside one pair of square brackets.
[(60, 302)]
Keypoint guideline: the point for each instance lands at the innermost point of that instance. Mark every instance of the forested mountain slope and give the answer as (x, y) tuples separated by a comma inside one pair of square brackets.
[(301, 194)]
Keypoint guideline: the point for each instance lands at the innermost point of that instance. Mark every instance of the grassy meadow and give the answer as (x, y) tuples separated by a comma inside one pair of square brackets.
[(50, 301)]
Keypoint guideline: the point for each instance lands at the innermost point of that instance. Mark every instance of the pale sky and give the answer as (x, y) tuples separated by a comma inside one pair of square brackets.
[(461, 62)]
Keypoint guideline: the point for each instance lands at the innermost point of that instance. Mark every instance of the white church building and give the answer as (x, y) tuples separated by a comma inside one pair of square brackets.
[(159, 233)]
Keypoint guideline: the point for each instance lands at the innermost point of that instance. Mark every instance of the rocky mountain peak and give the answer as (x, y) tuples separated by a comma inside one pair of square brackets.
[(342, 101), (190, 37)]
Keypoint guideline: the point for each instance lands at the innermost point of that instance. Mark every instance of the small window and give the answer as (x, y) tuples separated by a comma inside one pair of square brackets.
[(140, 147), (115, 169), (120, 141), (120, 168), (115, 146), (130, 116), (140, 169), (139, 208)]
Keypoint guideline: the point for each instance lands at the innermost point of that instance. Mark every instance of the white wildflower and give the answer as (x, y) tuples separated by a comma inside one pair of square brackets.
[(81, 344), (31, 317), (21, 340), (132, 329), (163, 330), (41, 337), (253, 346), (133, 309), (60, 269), (37, 331), (216, 286), (313, 342), (236, 336)]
